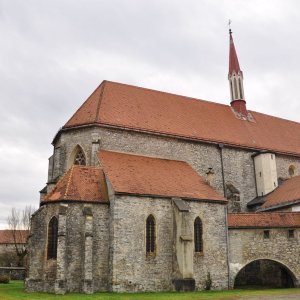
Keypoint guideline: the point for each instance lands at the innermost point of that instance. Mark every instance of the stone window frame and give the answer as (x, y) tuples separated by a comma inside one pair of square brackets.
[(79, 158), (52, 238), (198, 235), (77, 150), (150, 237)]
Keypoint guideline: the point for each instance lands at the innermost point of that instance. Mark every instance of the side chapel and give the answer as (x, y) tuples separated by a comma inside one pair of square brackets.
[(151, 191)]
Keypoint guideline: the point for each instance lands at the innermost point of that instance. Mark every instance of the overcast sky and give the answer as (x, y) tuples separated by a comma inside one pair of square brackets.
[(53, 54)]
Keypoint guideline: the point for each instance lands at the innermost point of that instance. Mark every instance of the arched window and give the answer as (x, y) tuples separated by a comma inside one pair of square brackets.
[(150, 235), (198, 235), (52, 238), (292, 169), (79, 158), (241, 90), (236, 96)]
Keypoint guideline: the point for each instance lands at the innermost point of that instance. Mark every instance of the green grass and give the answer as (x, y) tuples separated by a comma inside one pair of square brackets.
[(14, 290)]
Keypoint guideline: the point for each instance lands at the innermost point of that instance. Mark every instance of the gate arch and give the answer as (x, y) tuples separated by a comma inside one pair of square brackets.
[(265, 273)]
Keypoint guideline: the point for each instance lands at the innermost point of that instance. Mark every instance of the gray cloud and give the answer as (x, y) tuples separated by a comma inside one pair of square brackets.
[(54, 53)]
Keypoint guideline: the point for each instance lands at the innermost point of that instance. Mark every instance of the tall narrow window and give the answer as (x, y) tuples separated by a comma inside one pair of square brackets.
[(150, 235), (79, 157), (52, 238), (236, 96), (198, 235), (241, 91)]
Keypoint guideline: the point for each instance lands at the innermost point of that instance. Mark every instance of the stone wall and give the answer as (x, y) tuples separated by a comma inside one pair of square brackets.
[(238, 163), (132, 270), (67, 272), (248, 245)]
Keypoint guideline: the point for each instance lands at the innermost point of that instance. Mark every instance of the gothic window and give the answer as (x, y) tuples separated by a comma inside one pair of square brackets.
[(240, 86), (79, 157), (198, 235), (52, 238), (150, 235), (236, 96), (292, 169), (231, 89)]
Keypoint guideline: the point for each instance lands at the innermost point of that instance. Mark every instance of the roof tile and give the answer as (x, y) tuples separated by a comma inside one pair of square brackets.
[(134, 174), (287, 192), (264, 220), (6, 236), (126, 106), (80, 183)]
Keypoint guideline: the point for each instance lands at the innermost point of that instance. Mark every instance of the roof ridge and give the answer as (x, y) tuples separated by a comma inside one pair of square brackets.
[(168, 93), (97, 116), (69, 181)]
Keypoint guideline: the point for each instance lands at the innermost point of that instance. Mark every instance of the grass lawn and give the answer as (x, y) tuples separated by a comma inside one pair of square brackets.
[(14, 290)]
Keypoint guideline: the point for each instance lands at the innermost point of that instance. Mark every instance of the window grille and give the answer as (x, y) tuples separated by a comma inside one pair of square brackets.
[(79, 158), (52, 238), (198, 235), (150, 235)]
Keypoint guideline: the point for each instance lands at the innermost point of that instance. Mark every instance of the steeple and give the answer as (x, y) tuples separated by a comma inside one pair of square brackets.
[(235, 77)]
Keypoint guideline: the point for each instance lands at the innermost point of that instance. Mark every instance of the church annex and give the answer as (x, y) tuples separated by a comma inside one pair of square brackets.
[(151, 191)]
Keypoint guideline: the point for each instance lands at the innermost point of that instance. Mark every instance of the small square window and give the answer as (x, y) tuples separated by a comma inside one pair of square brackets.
[(266, 234), (291, 233)]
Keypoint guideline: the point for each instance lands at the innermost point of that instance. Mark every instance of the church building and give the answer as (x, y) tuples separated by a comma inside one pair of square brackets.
[(151, 191)]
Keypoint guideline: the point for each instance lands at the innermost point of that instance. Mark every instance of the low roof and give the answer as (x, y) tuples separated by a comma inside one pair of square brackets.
[(130, 107), (151, 176), (80, 183), (7, 236), (264, 220), (286, 194)]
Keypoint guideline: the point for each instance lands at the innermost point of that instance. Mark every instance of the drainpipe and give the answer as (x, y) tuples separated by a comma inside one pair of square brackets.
[(221, 146), (227, 245)]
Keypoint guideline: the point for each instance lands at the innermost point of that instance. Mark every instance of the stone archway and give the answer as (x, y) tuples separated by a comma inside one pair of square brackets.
[(265, 273)]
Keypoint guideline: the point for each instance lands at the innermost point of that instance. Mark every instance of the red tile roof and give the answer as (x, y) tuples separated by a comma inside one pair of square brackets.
[(264, 220), (80, 183), (133, 174), (7, 236), (287, 193), (125, 106), (233, 59)]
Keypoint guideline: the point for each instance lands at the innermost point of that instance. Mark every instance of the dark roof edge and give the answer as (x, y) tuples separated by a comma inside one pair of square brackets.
[(262, 152), (72, 201), (171, 197), (231, 145), (279, 205), (262, 227)]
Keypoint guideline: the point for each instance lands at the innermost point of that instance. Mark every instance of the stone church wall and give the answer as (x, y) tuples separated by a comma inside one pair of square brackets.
[(134, 271), (66, 273), (248, 245), (238, 163)]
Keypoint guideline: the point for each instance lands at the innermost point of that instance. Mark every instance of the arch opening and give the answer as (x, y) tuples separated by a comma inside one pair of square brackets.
[(264, 273)]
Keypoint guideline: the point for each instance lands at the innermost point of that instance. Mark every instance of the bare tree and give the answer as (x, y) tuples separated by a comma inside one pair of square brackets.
[(19, 224)]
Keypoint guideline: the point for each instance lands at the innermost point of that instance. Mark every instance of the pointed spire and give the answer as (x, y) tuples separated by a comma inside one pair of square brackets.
[(235, 77), (233, 59)]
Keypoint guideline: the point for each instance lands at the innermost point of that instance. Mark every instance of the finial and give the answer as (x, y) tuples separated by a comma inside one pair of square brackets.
[(229, 23)]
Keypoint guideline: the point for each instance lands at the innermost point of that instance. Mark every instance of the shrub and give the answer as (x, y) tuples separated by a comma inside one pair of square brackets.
[(4, 279)]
